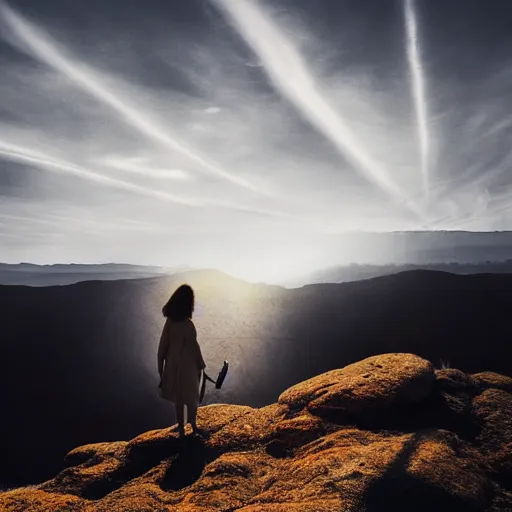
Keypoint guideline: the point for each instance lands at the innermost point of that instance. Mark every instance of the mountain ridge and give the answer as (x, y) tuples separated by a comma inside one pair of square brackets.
[(64, 274)]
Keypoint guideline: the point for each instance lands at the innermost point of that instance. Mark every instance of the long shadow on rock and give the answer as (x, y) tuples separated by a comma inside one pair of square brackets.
[(187, 466), (439, 411), (399, 491), (139, 460)]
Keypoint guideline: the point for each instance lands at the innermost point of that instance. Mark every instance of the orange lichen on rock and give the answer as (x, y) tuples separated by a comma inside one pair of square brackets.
[(324, 505), (248, 430), (327, 468), (35, 500), (493, 408), (296, 455), (375, 383), (444, 462), (493, 380)]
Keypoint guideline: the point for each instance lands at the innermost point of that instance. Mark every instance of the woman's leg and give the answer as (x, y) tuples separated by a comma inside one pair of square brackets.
[(192, 414), (180, 417)]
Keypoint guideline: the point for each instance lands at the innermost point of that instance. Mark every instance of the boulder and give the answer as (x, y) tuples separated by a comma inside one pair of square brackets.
[(374, 384)]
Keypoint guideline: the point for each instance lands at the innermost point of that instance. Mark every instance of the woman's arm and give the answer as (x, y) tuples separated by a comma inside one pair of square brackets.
[(196, 348), (162, 348)]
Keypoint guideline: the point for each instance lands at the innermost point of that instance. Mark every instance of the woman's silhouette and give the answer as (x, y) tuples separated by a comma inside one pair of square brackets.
[(180, 361)]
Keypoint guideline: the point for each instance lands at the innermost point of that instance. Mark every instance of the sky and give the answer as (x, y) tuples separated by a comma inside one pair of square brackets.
[(243, 134)]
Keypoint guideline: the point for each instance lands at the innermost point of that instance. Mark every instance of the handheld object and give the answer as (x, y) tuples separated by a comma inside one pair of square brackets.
[(222, 375), (218, 382)]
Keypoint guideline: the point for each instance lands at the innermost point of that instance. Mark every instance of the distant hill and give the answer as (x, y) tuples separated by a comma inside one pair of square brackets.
[(78, 362), (29, 274), (356, 272)]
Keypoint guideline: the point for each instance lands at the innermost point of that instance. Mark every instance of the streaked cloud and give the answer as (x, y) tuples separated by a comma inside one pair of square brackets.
[(34, 41), (137, 165), (20, 155), (44, 162), (418, 89), (288, 70)]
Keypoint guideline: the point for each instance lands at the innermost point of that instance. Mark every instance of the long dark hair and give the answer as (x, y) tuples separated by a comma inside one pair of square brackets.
[(181, 304)]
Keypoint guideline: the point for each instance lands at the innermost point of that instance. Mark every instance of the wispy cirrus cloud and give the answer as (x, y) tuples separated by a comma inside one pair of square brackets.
[(138, 165), (290, 74), (45, 162), (418, 89), (29, 156), (33, 40)]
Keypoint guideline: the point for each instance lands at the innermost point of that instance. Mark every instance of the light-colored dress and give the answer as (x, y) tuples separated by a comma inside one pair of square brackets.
[(180, 358)]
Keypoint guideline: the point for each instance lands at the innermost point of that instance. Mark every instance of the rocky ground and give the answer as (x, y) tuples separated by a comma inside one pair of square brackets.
[(387, 433)]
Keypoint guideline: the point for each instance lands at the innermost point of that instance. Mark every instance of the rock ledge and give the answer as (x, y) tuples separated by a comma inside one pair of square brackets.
[(386, 433)]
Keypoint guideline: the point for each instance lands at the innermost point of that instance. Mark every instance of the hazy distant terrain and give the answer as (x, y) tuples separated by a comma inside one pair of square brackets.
[(62, 274), (415, 248), (355, 272), (347, 257), (34, 275), (78, 363), (422, 247)]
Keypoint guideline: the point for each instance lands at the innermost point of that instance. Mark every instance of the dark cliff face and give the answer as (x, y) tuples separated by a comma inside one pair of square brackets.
[(386, 433), (78, 363)]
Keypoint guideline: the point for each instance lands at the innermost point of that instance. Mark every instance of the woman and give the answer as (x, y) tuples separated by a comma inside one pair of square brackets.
[(180, 361)]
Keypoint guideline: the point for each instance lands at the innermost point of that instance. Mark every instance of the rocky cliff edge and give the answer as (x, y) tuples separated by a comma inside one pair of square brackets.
[(387, 433)]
